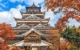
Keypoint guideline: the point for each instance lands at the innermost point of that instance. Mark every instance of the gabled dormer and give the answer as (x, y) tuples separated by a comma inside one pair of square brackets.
[(23, 26), (40, 25), (33, 8), (32, 36), (32, 16)]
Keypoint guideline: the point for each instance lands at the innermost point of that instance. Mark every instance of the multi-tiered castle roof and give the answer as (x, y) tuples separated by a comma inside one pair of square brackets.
[(32, 30)]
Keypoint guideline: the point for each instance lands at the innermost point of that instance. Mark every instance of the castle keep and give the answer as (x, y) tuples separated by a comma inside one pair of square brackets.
[(33, 31)]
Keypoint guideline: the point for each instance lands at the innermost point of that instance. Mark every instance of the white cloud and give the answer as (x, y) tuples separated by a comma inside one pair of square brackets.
[(49, 14), (20, 8), (43, 8), (15, 13), (8, 16), (5, 12), (73, 22)]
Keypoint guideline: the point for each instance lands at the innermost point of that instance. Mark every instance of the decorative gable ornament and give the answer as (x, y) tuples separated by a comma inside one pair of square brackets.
[(32, 29), (24, 26), (32, 16), (40, 26)]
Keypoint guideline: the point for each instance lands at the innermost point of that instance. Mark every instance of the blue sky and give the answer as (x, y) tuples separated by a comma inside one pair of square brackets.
[(11, 8)]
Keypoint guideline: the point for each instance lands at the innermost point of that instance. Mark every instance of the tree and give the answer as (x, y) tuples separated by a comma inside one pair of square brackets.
[(14, 48), (70, 9), (6, 34), (71, 36), (78, 30), (54, 38), (71, 48), (64, 45)]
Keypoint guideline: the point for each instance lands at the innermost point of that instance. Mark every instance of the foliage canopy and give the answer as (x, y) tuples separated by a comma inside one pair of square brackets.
[(70, 9)]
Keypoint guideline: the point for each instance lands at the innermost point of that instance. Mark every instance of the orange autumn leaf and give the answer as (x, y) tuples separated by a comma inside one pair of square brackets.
[(18, 48), (6, 34), (64, 45), (70, 8), (55, 32), (14, 48)]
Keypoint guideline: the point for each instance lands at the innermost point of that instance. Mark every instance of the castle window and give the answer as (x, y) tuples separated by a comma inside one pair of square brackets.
[(32, 37)]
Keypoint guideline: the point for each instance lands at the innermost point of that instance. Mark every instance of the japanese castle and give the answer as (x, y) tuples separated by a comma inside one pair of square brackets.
[(33, 31)]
